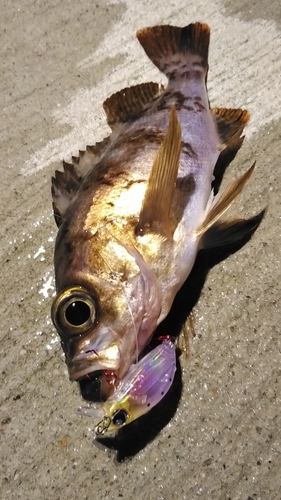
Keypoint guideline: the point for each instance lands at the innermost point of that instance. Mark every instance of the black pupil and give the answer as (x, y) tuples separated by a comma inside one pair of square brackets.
[(77, 313), (120, 417)]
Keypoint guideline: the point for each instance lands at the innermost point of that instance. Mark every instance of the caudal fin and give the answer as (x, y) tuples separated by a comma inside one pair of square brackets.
[(176, 51)]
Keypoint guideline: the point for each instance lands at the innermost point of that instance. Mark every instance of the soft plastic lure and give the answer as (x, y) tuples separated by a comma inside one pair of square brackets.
[(145, 384)]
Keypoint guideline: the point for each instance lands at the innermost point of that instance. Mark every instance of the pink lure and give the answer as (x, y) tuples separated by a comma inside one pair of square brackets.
[(145, 384)]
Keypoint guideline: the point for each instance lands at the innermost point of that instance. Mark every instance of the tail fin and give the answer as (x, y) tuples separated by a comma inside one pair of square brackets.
[(169, 47)]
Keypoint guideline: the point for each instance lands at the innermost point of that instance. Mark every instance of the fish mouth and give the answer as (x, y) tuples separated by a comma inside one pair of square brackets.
[(91, 361), (91, 387)]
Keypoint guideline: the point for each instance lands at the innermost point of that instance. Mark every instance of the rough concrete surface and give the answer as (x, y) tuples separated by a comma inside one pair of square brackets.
[(60, 60)]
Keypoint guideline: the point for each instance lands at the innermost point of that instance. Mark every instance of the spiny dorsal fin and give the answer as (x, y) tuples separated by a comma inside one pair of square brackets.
[(230, 123), (162, 43), (64, 187), (223, 200), (66, 184), (156, 206), (129, 102), (87, 159)]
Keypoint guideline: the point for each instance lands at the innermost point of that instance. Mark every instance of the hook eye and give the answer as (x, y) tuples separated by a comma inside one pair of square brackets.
[(118, 419), (74, 311), (103, 425)]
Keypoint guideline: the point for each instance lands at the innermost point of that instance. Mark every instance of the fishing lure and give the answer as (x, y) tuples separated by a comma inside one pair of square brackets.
[(145, 384)]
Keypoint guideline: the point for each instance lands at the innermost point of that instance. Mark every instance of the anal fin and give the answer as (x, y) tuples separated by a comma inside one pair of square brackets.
[(230, 123), (156, 207)]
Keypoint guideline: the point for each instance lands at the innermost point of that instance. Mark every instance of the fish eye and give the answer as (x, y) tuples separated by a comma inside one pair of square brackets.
[(74, 311), (119, 417), (77, 312)]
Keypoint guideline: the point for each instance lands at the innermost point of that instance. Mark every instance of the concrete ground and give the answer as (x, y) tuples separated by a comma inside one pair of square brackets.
[(60, 60)]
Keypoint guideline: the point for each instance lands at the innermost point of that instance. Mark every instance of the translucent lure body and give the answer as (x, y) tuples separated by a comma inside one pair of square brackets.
[(143, 387)]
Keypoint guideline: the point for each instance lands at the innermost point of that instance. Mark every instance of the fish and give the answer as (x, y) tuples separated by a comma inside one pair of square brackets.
[(144, 385), (134, 210)]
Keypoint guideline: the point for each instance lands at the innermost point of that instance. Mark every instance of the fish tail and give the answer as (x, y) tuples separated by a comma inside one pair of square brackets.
[(177, 52)]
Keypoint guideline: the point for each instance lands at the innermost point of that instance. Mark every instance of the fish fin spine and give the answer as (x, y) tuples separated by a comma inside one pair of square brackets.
[(66, 184)]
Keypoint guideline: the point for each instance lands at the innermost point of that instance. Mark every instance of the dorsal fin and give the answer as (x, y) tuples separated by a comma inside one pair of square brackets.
[(163, 43), (156, 206), (66, 184), (129, 102), (87, 159), (223, 200), (230, 123)]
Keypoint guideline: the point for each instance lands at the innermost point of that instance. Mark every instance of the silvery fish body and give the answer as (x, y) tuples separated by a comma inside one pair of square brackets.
[(134, 210)]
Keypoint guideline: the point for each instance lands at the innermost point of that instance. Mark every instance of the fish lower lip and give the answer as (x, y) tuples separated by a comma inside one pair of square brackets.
[(81, 369), (76, 373), (83, 364)]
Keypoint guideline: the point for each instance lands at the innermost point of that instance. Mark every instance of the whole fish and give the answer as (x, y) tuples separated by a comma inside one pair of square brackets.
[(134, 210), (143, 386)]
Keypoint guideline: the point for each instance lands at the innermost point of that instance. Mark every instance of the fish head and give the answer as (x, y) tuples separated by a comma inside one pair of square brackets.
[(107, 303)]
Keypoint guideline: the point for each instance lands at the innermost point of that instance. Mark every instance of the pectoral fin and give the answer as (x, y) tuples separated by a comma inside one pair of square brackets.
[(222, 201), (156, 207)]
